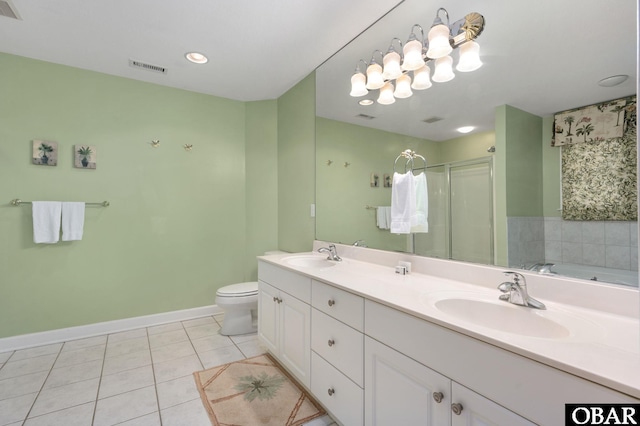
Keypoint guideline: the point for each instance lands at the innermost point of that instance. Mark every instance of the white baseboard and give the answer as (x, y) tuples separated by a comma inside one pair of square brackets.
[(80, 332)]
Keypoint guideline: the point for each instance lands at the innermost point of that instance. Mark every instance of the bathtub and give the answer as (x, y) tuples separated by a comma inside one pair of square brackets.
[(595, 273)]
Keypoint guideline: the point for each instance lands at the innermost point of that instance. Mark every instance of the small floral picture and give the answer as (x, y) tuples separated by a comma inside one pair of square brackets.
[(84, 156), (45, 153), (375, 180), (387, 181)]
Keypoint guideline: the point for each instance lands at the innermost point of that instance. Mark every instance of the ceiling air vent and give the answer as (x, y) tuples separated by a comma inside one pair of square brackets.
[(432, 120), (144, 66), (365, 116), (8, 10)]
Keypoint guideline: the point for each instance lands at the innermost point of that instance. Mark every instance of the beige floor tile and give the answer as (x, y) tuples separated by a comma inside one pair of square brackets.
[(158, 329), (152, 419), (80, 415), (190, 413), (74, 373), (67, 396), (126, 406), (173, 351), (199, 321), (116, 364), (27, 366), (175, 368), (210, 343), (22, 385), (126, 381), (167, 338), (177, 391), (201, 331), (16, 409), (84, 343), (126, 335), (37, 351), (251, 348), (121, 347), (220, 356), (79, 356)]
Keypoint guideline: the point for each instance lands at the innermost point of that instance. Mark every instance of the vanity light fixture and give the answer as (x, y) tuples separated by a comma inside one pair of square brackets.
[(196, 58), (408, 67)]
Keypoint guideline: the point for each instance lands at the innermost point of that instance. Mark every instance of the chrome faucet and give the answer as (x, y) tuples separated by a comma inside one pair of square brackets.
[(542, 268), (516, 292), (359, 243), (331, 250)]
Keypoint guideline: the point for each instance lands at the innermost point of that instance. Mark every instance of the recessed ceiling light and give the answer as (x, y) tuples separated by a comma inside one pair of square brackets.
[(465, 129), (614, 80), (366, 102), (196, 58)]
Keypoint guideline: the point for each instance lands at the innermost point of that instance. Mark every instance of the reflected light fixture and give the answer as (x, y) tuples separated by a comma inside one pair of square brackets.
[(366, 102), (196, 58), (408, 67), (465, 129)]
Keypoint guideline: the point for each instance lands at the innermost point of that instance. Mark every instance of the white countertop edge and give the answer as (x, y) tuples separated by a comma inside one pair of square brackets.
[(371, 280)]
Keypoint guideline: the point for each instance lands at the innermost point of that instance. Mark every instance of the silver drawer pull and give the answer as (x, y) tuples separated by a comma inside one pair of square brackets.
[(456, 408), (331, 342), (331, 391), (437, 396), (275, 299), (331, 302)]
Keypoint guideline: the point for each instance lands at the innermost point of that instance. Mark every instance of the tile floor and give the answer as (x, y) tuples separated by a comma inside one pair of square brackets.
[(141, 377)]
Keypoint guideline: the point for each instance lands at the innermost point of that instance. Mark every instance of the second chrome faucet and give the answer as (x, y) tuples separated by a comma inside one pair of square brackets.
[(516, 292), (331, 251)]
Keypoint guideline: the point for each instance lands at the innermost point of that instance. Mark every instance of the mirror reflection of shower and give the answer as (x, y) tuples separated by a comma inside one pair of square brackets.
[(460, 212)]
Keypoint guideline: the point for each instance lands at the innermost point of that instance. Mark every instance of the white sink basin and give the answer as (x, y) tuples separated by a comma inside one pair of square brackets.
[(505, 317), (309, 261)]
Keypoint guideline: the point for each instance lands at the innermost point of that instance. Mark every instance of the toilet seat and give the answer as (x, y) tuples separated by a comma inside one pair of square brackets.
[(239, 290)]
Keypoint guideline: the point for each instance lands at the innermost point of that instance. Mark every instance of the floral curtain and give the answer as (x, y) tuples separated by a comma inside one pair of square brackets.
[(593, 123), (599, 174)]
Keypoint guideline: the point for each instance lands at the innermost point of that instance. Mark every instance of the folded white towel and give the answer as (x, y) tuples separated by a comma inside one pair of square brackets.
[(46, 221), (383, 216), (72, 220), (419, 220), (403, 202)]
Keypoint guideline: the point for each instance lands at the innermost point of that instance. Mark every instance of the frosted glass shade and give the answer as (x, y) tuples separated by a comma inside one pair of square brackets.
[(374, 77), (438, 42), (412, 55), (403, 87), (391, 62), (386, 94), (444, 70), (358, 85), (421, 78), (469, 57)]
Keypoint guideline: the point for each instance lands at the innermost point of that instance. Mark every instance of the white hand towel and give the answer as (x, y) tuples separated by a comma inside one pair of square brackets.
[(72, 220), (403, 203), (419, 220), (46, 221), (382, 216)]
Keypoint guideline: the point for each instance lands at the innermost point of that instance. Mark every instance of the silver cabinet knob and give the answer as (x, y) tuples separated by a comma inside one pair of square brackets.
[(331, 342), (437, 396), (331, 302), (330, 391), (275, 299), (456, 408)]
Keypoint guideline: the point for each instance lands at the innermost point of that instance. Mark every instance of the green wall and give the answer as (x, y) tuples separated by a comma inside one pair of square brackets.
[(467, 147), (551, 172), (296, 171), (343, 192), (180, 225)]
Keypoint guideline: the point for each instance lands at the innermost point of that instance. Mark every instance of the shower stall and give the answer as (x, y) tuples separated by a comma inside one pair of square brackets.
[(460, 212)]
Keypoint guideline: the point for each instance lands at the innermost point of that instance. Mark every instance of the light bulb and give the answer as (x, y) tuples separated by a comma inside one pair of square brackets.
[(374, 76), (386, 94), (469, 57), (412, 55), (421, 79), (443, 71), (358, 85), (403, 87), (391, 62), (439, 45)]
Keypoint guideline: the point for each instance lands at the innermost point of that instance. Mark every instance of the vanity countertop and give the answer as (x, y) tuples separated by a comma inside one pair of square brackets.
[(602, 347)]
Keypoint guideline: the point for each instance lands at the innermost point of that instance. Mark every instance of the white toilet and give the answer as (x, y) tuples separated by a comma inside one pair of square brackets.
[(240, 305)]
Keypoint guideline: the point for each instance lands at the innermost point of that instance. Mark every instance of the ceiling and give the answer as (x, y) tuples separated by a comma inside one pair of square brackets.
[(541, 56), (257, 49)]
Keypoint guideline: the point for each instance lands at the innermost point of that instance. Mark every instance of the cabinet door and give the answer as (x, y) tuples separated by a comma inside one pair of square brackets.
[(402, 391), (268, 322), (480, 411), (295, 336)]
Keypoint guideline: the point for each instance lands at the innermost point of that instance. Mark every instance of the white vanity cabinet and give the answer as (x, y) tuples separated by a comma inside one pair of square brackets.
[(337, 344), (284, 318)]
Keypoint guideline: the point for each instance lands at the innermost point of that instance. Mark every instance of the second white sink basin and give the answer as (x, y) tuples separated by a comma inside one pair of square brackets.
[(309, 261), (504, 317)]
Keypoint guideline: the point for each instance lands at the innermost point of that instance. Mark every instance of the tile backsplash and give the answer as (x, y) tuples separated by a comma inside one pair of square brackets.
[(593, 243)]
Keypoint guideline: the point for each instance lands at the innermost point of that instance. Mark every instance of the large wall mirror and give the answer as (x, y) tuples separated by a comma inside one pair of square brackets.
[(494, 193)]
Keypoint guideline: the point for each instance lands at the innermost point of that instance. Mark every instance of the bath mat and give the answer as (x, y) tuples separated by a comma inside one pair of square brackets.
[(254, 391)]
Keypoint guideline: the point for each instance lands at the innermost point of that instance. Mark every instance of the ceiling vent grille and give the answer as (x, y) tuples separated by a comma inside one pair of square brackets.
[(365, 116), (8, 10), (145, 66), (432, 120)]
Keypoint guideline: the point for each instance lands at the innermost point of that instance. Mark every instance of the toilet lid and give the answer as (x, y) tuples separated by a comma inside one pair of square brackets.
[(239, 290)]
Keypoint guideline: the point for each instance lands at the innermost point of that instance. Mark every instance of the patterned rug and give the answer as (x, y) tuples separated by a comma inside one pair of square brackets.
[(254, 391)]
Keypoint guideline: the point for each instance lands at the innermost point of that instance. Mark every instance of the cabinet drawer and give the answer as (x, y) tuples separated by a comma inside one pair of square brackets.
[(296, 285), (342, 397), (340, 304), (339, 344)]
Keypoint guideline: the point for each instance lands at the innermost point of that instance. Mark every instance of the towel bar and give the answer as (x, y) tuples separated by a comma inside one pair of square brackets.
[(19, 202)]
